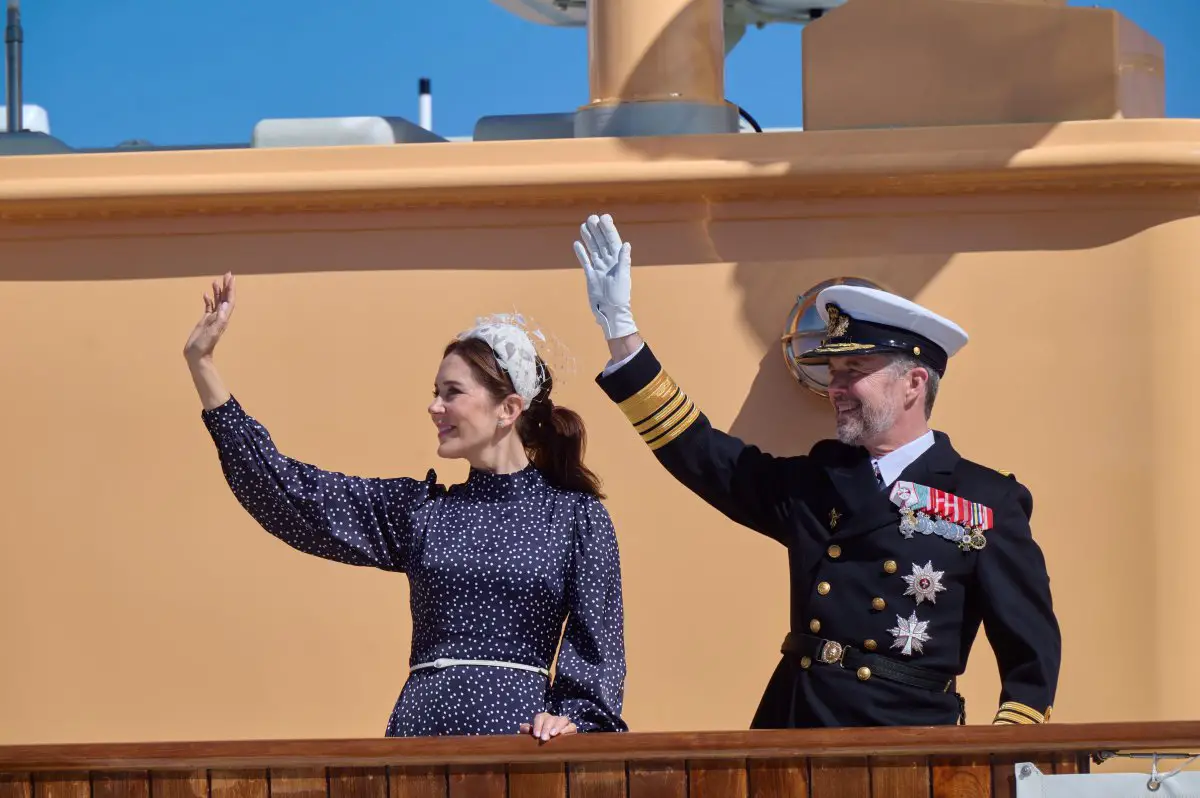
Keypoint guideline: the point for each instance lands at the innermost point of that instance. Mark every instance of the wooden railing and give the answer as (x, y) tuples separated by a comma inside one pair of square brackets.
[(839, 763)]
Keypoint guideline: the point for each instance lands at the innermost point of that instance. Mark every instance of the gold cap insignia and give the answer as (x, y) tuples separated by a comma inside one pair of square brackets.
[(839, 323)]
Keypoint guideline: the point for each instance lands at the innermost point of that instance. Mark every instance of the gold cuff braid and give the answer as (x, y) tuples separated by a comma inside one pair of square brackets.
[(1012, 712), (660, 412)]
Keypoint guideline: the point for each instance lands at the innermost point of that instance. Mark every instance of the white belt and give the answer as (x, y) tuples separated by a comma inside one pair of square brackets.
[(442, 662)]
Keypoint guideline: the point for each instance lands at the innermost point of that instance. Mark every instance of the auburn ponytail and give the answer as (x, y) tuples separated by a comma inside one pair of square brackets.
[(556, 440), (554, 436)]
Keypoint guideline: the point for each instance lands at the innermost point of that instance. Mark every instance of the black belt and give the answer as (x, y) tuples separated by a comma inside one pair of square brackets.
[(831, 652)]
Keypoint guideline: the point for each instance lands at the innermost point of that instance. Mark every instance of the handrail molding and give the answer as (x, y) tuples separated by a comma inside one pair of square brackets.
[(631, 747)]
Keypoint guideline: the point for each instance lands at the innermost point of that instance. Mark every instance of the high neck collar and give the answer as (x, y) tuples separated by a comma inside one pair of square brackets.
[(503, 485)]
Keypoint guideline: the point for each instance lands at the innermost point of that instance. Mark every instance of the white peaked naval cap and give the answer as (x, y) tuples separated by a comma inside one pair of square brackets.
[(862, 321)]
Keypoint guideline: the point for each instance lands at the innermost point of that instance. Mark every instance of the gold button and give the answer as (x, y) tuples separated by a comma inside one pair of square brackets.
[(890, 566), (835, 551), (823, 588), (814, 626), (870, 645), (805, 662), (864, 673), (878, 603)]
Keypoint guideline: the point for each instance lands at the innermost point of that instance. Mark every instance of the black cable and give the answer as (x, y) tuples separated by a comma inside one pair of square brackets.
[(744, 114)]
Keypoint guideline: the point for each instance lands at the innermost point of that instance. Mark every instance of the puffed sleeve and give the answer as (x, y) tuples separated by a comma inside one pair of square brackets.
[(352, 520), (589, 682), (747, 485), (1015, 603)]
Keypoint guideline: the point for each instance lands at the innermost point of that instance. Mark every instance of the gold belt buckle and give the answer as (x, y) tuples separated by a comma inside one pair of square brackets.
[(832, 653)]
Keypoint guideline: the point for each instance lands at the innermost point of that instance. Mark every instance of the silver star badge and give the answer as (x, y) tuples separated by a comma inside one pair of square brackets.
[(925, 583), (910, 634)]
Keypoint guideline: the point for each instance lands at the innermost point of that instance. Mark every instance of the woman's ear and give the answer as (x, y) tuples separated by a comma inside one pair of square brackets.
[(510, 409)]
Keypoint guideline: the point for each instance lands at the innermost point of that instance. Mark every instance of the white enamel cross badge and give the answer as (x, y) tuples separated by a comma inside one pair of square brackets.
[(910, 634)]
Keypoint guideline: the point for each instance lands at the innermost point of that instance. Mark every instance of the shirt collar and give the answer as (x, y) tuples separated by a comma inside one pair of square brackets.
[(892, 464)]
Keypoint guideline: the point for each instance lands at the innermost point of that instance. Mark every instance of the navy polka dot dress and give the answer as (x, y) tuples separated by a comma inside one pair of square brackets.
[(496, 566)]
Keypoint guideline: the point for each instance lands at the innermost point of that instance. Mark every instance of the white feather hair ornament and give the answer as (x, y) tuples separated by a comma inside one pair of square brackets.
[(511, 338)]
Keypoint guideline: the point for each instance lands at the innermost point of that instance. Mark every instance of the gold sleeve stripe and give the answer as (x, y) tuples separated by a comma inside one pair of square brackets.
[(677, 430), (649, 399), (1019, 713), (1012, 719), (660, 412), (1029, 712)]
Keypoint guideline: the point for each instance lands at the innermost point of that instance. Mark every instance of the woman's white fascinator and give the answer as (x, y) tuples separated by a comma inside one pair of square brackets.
[(512, 338)]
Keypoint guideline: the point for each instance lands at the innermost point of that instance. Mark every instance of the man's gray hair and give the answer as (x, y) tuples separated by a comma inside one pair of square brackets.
[(903, 363)]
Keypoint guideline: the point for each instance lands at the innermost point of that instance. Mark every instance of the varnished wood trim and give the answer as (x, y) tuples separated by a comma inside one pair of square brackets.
[(600, 779), (239, 784), (179, 784), (718, 778), (62, 785), (631, 747), (896, 776), (536, 780), (649, 779), (15, 785), (969, 777), (844, 777), (421, 781), (478, 781)]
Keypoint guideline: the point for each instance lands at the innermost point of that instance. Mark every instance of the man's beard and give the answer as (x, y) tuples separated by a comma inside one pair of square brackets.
[(856, 427)]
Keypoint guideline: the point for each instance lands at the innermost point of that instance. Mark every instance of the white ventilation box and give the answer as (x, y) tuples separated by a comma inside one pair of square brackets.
[(343, 131), (33, 117)]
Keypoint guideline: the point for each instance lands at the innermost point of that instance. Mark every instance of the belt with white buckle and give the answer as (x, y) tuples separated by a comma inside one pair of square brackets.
[(444, 662)]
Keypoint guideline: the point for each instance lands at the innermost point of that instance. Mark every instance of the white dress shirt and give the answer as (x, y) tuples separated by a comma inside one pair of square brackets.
[(611, 367)]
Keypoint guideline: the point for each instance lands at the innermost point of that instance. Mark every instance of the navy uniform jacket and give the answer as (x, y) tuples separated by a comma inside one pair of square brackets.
[(848, 560)]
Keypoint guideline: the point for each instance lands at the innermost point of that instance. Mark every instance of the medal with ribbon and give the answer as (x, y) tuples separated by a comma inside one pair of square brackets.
[(937, 512)]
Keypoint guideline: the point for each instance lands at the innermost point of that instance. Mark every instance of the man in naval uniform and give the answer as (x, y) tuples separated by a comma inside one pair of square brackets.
[(899, 548)]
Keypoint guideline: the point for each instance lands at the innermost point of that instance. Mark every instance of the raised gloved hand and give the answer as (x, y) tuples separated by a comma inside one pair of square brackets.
[(606, 263)]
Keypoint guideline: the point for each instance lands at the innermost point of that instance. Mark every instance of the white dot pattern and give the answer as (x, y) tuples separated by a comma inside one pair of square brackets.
[(496, 565)]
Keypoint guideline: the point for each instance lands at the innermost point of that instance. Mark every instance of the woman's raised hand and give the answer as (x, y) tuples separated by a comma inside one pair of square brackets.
[(217, 309)]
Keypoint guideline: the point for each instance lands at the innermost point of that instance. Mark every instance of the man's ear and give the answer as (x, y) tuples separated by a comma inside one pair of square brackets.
[(918, 377)]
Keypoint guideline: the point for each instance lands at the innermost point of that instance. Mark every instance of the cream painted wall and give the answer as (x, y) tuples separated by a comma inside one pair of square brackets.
[(139, 602)]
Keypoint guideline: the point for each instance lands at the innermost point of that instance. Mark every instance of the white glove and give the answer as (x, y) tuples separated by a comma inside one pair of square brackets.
[(605, 261)]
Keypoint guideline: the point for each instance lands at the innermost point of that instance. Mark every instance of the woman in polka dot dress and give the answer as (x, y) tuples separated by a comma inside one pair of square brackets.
[(496, 565)]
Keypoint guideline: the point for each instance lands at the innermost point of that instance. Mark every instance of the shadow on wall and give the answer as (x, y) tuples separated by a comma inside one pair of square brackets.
[(781, 247), (769, 290)]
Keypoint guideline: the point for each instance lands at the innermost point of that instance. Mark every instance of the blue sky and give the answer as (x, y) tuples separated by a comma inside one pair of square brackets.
[(191, 72)]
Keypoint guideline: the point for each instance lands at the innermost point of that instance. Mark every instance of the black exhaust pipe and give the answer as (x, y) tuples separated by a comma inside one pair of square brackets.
[(13, 37)]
